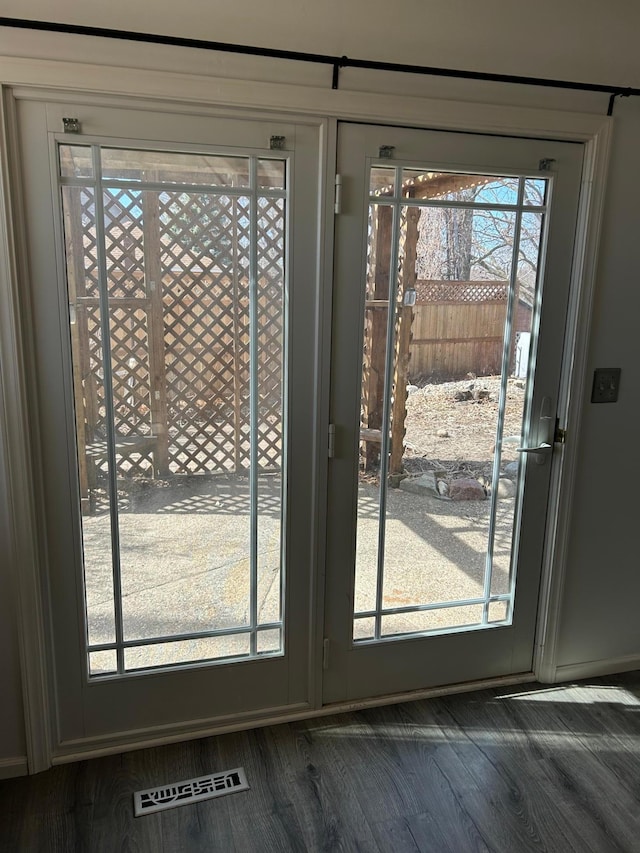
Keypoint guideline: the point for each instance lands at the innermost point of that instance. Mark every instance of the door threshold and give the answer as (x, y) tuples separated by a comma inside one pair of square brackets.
[(86, 748), (428, 693)]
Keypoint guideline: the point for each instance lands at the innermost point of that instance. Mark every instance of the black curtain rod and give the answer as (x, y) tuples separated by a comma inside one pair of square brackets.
[(337, 62)]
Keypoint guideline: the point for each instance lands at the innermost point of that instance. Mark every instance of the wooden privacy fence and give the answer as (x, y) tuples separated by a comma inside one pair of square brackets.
[(458, 328)]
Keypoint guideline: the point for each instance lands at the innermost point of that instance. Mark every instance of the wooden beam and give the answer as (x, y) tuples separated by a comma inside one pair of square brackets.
[(434, 184), (375, 336), (447, 340)]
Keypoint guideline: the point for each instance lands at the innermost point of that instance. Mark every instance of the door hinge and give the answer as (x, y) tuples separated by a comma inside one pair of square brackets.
[(71, 125), (331, 441), (325, 654), (337, 206)]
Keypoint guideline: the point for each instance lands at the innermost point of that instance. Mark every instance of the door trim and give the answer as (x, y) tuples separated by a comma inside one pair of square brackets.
[(18, 424), (194, 93), (190, 90), (573, 393)]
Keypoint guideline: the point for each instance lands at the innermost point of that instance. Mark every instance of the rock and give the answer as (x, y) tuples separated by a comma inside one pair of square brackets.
[(412, 389), (396, 479), (466, 489), (461, 396), (443, 488), (480, 394), (485, 482), (506, 488), (424, 484), (443, 433), (511, 470)]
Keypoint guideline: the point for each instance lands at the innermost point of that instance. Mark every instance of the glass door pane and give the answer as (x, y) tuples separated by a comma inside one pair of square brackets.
[(450, 310), (177, 292)]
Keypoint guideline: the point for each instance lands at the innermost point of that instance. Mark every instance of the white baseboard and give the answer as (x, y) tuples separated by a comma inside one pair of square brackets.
[(16, 766), (594, 668)]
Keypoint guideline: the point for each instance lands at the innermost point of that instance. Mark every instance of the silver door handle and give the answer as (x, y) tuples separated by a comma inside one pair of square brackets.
[(543, 434), (542, 448), (539, 453)]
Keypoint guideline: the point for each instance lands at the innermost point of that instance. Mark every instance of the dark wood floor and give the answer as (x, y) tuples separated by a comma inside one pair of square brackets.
[(518, 769)]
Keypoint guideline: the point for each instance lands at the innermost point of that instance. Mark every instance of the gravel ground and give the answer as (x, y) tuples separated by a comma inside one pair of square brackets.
[(460, 436)]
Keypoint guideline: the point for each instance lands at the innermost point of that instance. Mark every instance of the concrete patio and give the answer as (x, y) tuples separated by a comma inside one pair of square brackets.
[(185, 565)]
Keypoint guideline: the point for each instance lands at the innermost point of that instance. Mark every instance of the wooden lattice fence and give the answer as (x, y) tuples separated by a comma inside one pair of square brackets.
[(179, 330)]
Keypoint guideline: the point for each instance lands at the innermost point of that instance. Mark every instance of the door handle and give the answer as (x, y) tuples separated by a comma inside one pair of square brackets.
[(540, 450), (546, 425)]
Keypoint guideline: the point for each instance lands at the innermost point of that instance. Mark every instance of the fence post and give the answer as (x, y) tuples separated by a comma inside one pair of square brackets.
[(403, 341), (375, 339)]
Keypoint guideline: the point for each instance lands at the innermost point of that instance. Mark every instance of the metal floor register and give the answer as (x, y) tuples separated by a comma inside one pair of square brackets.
[(190, 791)]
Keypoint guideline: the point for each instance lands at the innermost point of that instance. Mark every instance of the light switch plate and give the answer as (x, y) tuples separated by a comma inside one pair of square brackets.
[(606, 384)]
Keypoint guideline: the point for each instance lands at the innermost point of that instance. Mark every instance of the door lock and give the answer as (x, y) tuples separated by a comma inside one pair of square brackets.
[(546, 434)]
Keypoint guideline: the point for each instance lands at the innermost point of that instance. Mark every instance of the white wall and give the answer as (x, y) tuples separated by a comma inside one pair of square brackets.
[(577, 39), (599, 609), (600, 617)]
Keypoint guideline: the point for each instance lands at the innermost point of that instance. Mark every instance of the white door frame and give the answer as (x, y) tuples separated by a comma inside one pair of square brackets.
[(24, 78)]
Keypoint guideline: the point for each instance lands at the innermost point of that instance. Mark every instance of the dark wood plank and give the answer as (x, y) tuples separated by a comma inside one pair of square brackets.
[(56, 810), (202, 826), (114, 829), (264, 815), (297, 787), (395, 835), (384, 784)]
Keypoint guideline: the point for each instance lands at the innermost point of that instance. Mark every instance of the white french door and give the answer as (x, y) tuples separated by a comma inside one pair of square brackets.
[(452, 274), (174, 303), (175, 300)]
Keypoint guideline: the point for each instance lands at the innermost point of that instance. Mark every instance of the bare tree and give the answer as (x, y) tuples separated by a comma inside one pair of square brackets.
[(461, 244), (445, 242)]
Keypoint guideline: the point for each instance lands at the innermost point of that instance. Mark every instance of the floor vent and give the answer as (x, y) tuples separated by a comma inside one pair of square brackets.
[(191, 791)]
